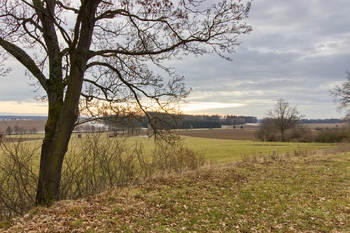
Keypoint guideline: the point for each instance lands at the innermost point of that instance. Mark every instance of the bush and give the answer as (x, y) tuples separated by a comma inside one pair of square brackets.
[(333, 135), (92, 165), (18, 177), (299, 133), (175, 158)]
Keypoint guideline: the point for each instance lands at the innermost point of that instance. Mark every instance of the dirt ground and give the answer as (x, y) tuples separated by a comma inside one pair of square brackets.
[(247, 133), (325, 125), (26, 124)]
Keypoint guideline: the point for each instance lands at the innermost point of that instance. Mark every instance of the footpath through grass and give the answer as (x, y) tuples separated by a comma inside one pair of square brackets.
[(307, 193)]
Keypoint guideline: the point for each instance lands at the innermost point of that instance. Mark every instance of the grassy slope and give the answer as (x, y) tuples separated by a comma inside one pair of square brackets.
[(287, 194), (228, 151)]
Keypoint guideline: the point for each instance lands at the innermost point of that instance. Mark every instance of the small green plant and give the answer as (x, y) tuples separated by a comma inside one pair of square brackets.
[(77, 223), (118, 210), (5, 224)]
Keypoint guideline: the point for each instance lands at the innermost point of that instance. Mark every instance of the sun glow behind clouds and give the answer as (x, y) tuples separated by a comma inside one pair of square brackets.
[(200, 106)]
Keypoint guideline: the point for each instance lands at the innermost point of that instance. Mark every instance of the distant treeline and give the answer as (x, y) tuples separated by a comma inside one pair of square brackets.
[(180, 121), (16, 118), (18, 130), (215, 121), (320, 121)]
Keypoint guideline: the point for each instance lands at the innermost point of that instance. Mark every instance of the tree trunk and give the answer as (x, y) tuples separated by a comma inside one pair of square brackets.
[(52, 153), (58, 130), (64, 113)]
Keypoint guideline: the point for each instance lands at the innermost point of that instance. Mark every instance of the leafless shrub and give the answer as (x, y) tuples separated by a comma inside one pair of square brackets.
[(175, 157), (93, 164), (97, 163), (18, 177), (333, 135)]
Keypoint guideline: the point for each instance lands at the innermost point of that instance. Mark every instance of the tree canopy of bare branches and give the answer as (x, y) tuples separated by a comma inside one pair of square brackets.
[(284, 116), (92, 54), (341, 96)]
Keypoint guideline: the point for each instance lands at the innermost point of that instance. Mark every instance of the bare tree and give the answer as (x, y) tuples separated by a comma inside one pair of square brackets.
[(33, 130), (9, 130), (284, 116), (341, 96), (93, 53), (16, 129)]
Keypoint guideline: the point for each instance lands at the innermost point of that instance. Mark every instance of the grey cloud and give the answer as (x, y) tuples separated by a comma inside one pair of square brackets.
[(298, 50)]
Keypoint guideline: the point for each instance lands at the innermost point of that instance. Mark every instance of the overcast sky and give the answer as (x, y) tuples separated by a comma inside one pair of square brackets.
[(297, 51)]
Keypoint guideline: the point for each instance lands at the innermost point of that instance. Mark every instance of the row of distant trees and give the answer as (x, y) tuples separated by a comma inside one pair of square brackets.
[(222, 119), (19, 130), (177, 121)]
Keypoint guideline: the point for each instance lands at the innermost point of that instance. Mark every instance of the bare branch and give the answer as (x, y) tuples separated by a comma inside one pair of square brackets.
[(25, 59), (341, 96)]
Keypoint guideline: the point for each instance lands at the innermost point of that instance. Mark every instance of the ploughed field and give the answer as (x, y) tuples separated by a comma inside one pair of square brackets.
[(26, 124), (246, 133)]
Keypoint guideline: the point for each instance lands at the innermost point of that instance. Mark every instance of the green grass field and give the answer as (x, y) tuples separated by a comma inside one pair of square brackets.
[(219, 151), (223, 151)]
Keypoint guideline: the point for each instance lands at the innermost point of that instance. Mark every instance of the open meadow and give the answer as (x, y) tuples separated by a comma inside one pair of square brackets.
[(219, 146), (215, 150)]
